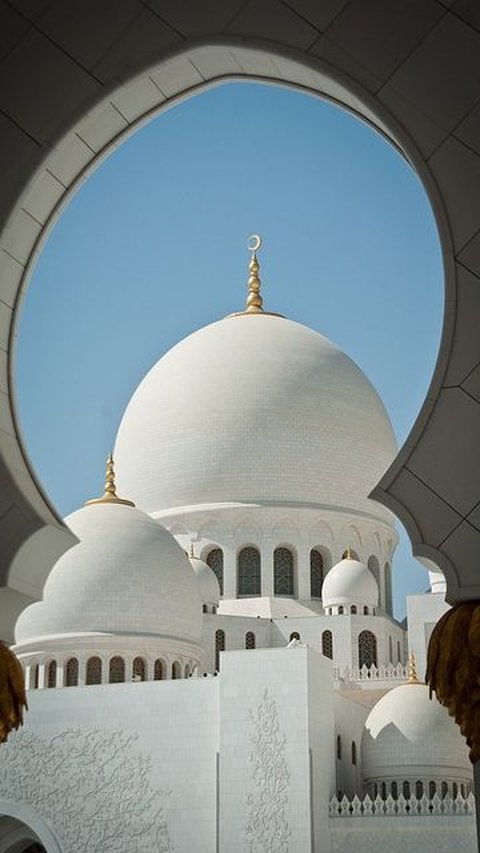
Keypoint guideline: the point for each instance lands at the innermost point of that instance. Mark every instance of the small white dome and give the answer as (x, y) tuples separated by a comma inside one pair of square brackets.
[(207, 582), (349, 582), (409, 736), (126, 576)]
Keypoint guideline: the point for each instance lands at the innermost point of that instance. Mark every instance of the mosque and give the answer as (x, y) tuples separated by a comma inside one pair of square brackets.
[(215, 665)]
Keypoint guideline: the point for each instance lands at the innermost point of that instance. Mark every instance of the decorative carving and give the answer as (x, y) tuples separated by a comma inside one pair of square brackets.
[(267, 828), (91, 786)]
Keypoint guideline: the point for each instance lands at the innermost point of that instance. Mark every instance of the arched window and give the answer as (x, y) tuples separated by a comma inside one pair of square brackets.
[(283, 572), (444, 790), (354, 753), (339, 747), (94, 671), (454, 790), (394, 790), (390, 650), (249, 579), (406, 789), (186, 674), (432, 789), (374, 566), (399, 652), (176, 670), (35, 676), (316, 573), (52, 674), (388, 589), (367, 649), (365, 611), (294, 636), (383, 789), (139, 670), (71, 672), (351, 554), (215, 561), (158, 670), (249, 640), (340, 610), (219, 647), (327, 644), (353, 609), (116, 670), (419, 789)]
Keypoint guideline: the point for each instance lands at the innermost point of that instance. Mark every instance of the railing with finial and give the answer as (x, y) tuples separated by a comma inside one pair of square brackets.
[(459, 806)]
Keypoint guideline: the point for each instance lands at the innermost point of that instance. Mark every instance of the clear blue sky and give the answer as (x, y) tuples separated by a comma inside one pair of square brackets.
[(153, 246)]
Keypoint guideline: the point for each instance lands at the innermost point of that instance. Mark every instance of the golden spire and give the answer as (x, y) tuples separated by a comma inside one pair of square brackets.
[(110, 494), (254, 300), (412, 670)]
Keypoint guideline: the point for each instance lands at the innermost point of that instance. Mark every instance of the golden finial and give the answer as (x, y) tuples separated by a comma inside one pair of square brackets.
[(412, 670), (110, 493), (254, 300), (349, 554)]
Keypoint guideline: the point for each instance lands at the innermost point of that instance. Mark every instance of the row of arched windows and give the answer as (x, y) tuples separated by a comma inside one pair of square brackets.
[(367, 646), (250, 643), (353, 609), (249, 581), (418, 789), (116, 671), (249, 572)]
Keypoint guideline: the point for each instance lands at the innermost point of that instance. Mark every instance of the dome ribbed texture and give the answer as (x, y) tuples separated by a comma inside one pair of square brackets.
[(409, 735), (127, 575), (254, 409)]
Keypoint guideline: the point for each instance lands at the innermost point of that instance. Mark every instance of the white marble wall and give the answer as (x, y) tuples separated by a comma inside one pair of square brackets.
[(276, 750), (423, 611)]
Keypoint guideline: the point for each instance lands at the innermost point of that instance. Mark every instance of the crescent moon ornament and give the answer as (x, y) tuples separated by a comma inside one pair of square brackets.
[(254, 243)]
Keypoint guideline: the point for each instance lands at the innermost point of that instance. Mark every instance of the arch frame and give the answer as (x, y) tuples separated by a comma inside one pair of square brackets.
[(33, 821), (30, 231)]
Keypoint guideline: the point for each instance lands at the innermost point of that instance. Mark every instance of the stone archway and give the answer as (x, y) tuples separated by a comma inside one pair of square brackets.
[(92, 92), (17, 837)]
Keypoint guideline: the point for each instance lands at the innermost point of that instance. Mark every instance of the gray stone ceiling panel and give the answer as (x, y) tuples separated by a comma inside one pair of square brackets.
[(457, 171), (192, 18), (435, 81), (39, 84), (70, 25), (274, 21), (446, 457), (465, 354), (379, 35)]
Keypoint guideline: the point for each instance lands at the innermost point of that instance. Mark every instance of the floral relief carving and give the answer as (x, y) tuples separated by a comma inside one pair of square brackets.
[(267, 828), (92, 787)]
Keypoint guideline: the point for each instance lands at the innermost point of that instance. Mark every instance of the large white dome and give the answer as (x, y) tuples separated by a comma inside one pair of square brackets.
[(254, 409), (407, 735), (126, 576)]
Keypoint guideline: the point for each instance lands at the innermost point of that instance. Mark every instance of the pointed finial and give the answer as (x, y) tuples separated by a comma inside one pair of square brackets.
[(349, 554), (254, 300), (412, 670), (110, 490)]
